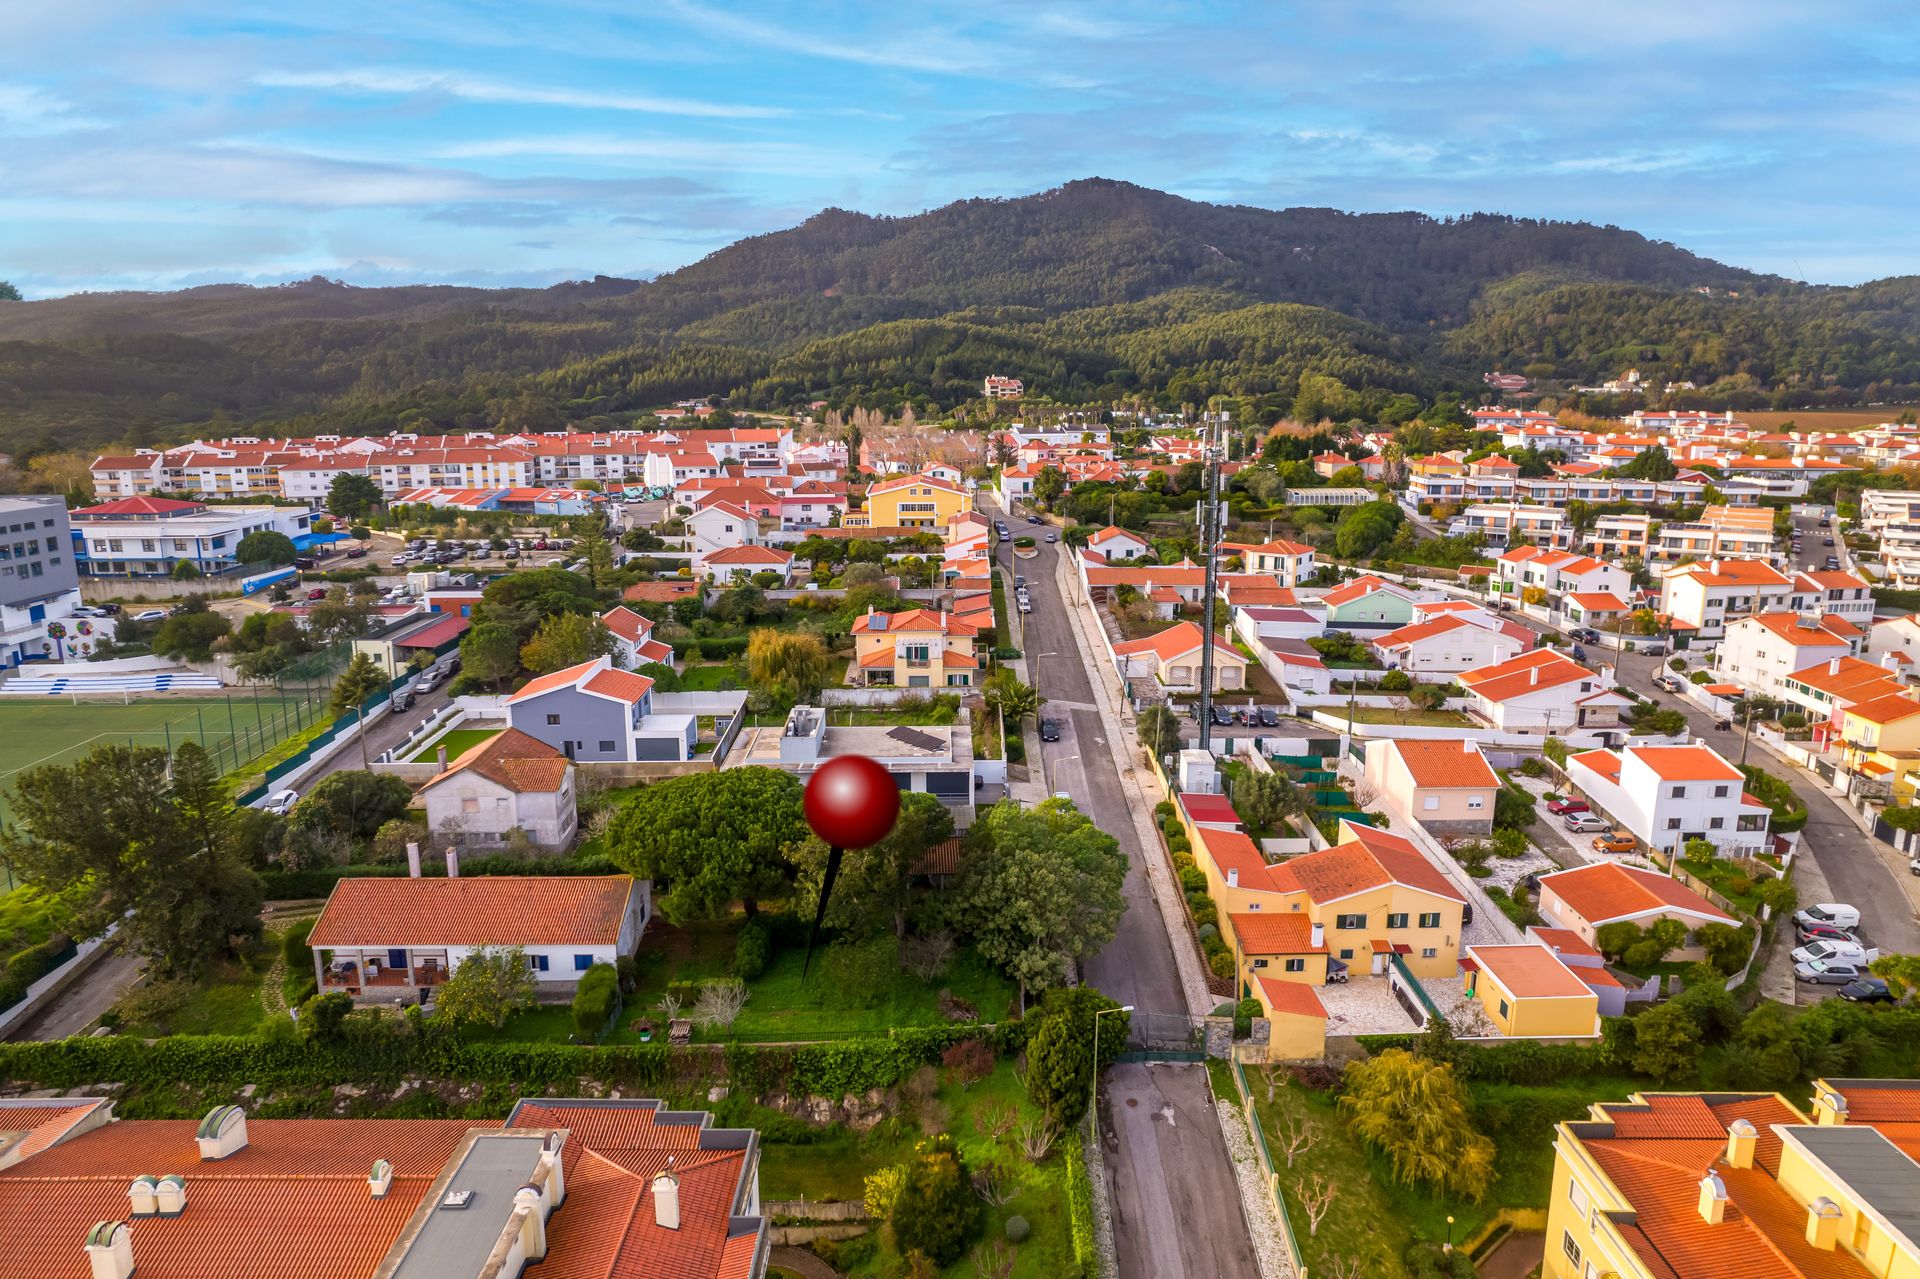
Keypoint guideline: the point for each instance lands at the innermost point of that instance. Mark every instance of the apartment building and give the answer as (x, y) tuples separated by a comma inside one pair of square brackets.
[(1882, 509), (1621, 537), (1900, 553), (1667, 795), (1558, 573), (921, 648), (911, 501), (1704, 597), (559, 1187), (151, 536), (39, 581), (1739, 1183), (1722, 533), (1501, 525), (1760, 652)]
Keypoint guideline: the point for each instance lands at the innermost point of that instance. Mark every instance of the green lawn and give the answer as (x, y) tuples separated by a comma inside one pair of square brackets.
[(227, 1002), (458, 742), (836, 1166), (781, 1005), (1373, 1218), (715, 678), (237, 730), (1386, 715), (28, 917)]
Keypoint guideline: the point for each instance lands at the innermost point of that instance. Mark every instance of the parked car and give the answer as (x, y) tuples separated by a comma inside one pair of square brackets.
[(1026, 605), (1619, 841), (1822, 932), (1579, 654), (1654, 650), (282, 801), (1867, 990), (1246, 715), (1269, 717), (155, 614), (1826, 541), (1585, 823), (1049, 730), (402, 700), (1836, 914), (427, 683), (1053, 537), (1035, 519), (1672, 683), (1823, 972), (357, 553), (317, 593), (1566, 805), (1846, 952), (1221, 715)]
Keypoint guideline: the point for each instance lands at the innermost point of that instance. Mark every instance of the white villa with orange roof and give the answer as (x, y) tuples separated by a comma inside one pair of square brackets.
[(633, 639), (1117, 544), (1289, 563), (1667, 795), (1559, 573), (1761, 652), (719, 527), (1707, 595), (1544, 691), (1444, 646), (594, 711), (733, 563), (920, 648), (1173, 657)]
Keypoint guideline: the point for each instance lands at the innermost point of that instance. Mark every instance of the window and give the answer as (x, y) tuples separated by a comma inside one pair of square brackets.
[(537, 963), (1397, 921), (1350, 921), (1428, 952), (469, 805), (1296, 965), (1673, 823), (1476, 801), (1260, 963), (1719, 792), (1715, 823), (582, 962), (606, 744), (1568, 1246), (1430, 803), (1679, 792), (1347, 953), (1503, 1008)]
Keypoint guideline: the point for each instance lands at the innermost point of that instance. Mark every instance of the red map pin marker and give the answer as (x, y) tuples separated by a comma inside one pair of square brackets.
[(851, 802)]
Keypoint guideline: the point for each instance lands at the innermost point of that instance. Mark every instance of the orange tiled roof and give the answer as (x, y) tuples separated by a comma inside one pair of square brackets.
[(912, 620), (503, 910), (1528, 971), (1296, 997), (1232, 850), (514, 760), (1359, 588), (1565, 940), (627, 624), (1277, 932), (1831, 629), (745, 554), (623, 685), (1685, 763), (1369, 859), (1181, 637), (1885, 709), (1444, 765), (1516, 677), (1605, 891)]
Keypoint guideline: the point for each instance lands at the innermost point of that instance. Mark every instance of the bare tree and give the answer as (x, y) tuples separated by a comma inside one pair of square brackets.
[(1470, 1021), (1295, 1135), (927, 957), (1316, 1197), (996, 1118), (669, 1005), (992, 1188), (1271, 1075), (995, 1260), (1340, 1268), (1036, 1138), (1364, 793), (720, 1002)]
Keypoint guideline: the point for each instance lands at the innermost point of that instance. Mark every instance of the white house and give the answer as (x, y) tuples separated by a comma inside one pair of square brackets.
[(633, 639), (1173, 656), (393, 939), (1667, 795), (1118, 545), (733, 562), (1445, 646), (1705, 596), (1760, 652), (718, 527), (507, 782), (594, 712), (1588, 898), (1544, 690), (1900, 635), (1835, 593), (1291, 563), (1559, 573), (1256, 622)]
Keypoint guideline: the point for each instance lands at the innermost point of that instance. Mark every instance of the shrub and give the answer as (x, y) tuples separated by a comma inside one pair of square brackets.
[(294, 948), (859, 974), (1080, 1208), (1018, 1229), (936, 1211), (1532, 767), (883, 1190), (30, 965), (752, 951), (1208, 931), (1193, 880), (1221, 964), (1396, 682), (970, 1060), (595, 1001)]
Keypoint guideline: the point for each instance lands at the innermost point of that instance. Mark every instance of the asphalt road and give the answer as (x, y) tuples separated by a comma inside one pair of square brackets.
[(81, 1004), (1177, 1212)]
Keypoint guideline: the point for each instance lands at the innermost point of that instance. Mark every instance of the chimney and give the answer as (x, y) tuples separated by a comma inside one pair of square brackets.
[(1829, 1107), (413, 860), (533, 1222), (666, 1199), (1742, 1137), (1823, 1223), (141, 1197), (1318, 936), (1533, 675), (380, 1179), (440, 754), (1713, 1199), (1233, 877), (110, 1250), (453, 862), (1833, 666), (170, 1195), (223, 1132)]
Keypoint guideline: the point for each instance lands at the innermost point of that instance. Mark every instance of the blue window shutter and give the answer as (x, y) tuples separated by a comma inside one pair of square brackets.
[(582, 962), (539, 963)]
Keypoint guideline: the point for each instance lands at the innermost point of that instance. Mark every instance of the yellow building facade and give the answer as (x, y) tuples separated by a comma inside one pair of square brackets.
[(913, 501)]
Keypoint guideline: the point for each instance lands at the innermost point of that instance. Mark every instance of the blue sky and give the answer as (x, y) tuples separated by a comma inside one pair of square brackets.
[(158, 145)]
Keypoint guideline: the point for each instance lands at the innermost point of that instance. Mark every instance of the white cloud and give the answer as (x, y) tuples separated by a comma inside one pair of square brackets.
[(407, 83), (685, 153), (27, 110)]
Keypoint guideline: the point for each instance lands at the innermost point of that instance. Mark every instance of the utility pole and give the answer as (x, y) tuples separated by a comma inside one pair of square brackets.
[(1209, 555)]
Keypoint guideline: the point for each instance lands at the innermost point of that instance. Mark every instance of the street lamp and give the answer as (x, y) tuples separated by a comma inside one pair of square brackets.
[(1449, 1247), (1093, 1084)]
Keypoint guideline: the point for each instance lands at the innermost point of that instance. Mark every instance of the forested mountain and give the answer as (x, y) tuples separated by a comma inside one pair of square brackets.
[(1097, 290)]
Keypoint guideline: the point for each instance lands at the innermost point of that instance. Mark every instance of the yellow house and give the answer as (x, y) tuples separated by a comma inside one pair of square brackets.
[(1298, 1020), (1526, 990), (1448, 787), (1360, 903), (1739, 1184), (1880, 741), (1437, 464), (919, 648), (913, 501)]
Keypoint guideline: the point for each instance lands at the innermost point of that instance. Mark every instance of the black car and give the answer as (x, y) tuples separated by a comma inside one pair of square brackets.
[(1868, 990), (1035, 519), (1222, 716), (1049, 730), (1269, 717)]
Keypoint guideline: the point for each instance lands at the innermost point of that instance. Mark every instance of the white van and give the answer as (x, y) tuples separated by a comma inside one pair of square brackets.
[(1837, 952), (1832, 914)]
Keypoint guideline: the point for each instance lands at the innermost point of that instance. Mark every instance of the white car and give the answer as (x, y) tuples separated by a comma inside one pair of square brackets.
[(1832, 914), (150, 615), (281, 802)]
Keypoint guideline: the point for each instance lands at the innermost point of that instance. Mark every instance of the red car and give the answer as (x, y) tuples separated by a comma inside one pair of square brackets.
[(318, 593), (1562, 807)]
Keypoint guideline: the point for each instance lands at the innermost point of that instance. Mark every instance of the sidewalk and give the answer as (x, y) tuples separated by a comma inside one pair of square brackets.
[(1141, 787)]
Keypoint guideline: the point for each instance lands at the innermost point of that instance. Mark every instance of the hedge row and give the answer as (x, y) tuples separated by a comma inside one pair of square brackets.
[(1086, 1252), (716, 648), (30, 965), (288, 885), (1524, 1061), (230, 1061)]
